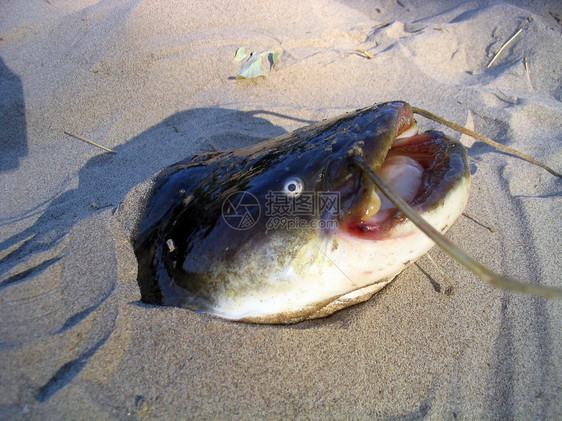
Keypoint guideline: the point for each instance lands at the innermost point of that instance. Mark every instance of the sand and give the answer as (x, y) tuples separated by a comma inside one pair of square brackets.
[(154, 81)]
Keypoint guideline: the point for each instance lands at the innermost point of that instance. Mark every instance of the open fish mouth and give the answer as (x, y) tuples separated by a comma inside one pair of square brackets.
[(428, 170)]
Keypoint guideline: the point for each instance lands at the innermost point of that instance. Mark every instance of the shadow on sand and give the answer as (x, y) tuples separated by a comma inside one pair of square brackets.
[(106, 178), (13, 131)]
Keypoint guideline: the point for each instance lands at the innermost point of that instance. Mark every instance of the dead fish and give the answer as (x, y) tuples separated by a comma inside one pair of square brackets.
[(292, 228)]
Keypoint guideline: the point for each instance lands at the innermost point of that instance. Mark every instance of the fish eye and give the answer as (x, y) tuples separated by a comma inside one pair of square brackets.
[(293, 186)]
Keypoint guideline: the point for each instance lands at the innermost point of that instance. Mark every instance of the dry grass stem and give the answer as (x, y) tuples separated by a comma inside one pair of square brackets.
[(503, 47), (89, 141), (484, 139), (365, 53)]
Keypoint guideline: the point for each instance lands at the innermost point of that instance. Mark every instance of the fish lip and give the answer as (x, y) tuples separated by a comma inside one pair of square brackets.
[(445, 165)]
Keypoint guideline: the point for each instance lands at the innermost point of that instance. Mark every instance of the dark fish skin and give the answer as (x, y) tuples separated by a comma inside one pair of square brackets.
[(183, 244)]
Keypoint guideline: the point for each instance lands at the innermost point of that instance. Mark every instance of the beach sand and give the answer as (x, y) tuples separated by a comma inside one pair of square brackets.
[(154, 81)]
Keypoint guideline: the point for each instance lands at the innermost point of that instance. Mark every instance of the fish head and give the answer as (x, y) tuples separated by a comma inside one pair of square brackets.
[(290, 228)]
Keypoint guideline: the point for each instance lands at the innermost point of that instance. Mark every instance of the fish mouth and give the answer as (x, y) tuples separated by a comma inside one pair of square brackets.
[(425, 169)]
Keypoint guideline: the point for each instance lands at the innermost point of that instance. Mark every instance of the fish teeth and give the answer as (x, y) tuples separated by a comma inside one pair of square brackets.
[(406, 134), (375, 202)]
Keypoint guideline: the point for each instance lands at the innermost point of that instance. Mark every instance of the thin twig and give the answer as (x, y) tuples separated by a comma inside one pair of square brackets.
[(526, 62), (89, 141), (365, 53), (456, 253), (503, 47), (466, 215), (381, 25), (484, 139), (449, 289)]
